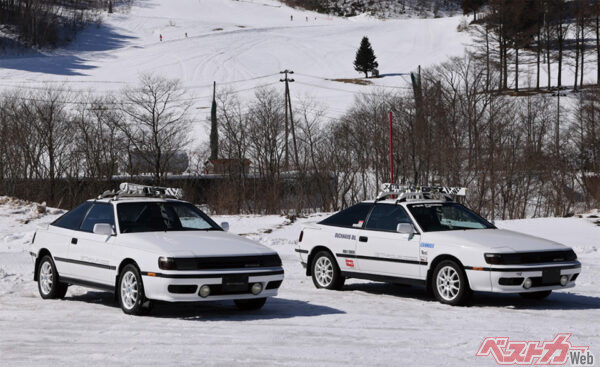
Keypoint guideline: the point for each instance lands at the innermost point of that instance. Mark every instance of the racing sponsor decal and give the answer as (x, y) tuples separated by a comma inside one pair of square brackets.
[(344, 236), (424, 254), (349, 263), (558, 351), (427, 245), (348, 252)]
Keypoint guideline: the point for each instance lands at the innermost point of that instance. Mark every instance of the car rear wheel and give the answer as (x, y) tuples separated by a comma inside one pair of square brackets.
[(130, 292), (250, 304), (325, 272), (535, 295), (450, 284), (48, 280)]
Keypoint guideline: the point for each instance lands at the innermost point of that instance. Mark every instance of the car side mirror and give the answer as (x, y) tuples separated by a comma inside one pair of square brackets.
[(225, 226), (103, 229), (405, 228)]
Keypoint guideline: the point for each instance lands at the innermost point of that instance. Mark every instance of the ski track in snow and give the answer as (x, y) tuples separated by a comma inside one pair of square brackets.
[(365, 324)]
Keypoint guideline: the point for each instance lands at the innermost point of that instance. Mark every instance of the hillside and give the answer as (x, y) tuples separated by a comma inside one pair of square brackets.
[(241, 45), (382, 8)]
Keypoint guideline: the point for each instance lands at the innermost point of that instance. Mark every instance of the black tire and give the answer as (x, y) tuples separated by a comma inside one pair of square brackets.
[(132, 298), (49, 285), (535, 295), (250, 304), (453, 277), (333, 278)]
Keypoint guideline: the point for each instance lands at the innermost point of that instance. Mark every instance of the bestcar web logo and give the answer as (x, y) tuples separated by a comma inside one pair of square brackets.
[(558, 351)]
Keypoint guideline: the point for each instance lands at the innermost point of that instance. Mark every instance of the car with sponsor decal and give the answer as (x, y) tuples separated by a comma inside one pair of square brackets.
[(421, 236), (145, 244)]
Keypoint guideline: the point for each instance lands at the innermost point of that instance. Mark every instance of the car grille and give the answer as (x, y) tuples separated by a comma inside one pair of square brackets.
[(229, 262), (532, 257)]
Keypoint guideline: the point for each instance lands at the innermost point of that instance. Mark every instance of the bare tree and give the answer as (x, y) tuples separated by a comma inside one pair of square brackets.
[(155, 123)]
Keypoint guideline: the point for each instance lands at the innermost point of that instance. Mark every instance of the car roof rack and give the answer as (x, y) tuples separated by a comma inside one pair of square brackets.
[(127, 189), (410, 193)]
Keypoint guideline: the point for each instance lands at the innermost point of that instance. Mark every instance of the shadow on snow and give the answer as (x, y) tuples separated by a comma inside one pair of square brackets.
[(275, 308), (66, 61), (556, 301)]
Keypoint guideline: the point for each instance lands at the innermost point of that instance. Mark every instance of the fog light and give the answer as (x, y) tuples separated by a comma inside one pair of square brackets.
[(564, 280), (204, 291), (256, 288), (527, 283)]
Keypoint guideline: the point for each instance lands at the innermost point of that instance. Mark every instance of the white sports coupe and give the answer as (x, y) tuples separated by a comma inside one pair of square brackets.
[(145, 245), (423, 237)]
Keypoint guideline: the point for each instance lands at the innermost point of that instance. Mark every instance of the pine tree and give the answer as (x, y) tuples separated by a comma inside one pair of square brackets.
[(365, 58), (214, 133), (110, 9)]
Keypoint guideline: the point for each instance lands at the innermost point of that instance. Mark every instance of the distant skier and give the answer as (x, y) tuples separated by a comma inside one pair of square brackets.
[(307, 19), (291, 18), (185, 34), (161, 38)]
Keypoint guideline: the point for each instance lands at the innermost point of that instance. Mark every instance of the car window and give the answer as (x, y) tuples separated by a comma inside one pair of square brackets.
[(386, 217), (73, 218), (447, 217), (100, 213), (162, 216), (355, 214)]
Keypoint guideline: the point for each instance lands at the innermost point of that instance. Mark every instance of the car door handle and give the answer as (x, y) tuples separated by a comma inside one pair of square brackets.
[(363, 239), (73, 241)]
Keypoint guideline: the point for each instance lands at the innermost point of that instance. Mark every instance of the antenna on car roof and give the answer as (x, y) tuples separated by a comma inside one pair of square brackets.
[(127, 189), (408, 192)]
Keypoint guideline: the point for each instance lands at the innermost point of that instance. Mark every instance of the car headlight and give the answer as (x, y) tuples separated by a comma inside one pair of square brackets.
[(493, 259), (167, 263)]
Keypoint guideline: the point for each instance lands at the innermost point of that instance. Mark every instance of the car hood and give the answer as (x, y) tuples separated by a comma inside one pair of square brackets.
[(499, 239), (193, 243)]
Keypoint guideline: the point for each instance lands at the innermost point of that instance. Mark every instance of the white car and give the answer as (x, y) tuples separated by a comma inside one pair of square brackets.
[(423, 237), (144, 245)]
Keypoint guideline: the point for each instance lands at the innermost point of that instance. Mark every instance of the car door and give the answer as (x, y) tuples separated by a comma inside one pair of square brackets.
[(343, 234), (61, 233), (382, 250), (90, 253)]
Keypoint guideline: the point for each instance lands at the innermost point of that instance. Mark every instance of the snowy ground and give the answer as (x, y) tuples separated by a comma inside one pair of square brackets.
[(366, 324)]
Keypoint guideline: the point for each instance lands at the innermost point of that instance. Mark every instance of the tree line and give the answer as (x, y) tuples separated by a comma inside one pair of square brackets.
[(514, 154), (43, 23), (550, 35)]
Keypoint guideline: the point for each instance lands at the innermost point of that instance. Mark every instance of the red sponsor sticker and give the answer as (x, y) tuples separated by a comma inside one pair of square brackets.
[(349, 263)]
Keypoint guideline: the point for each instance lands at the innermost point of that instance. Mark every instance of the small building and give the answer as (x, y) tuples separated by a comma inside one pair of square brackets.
[(226, 166)]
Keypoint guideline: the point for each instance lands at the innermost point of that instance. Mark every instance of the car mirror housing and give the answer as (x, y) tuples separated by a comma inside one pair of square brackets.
[(103, 229), (405, 228), (225, 226)]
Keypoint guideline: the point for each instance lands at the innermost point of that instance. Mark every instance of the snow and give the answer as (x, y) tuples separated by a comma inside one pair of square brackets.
[(365, 324), (241, 45)]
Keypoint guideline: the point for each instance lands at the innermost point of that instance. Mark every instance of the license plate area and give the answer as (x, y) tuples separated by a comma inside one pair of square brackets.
[(551, 277), (235, 283)]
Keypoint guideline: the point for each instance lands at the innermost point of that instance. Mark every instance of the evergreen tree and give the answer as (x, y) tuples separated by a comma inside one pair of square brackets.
[(365, 58), (214, 133), (110, 9)]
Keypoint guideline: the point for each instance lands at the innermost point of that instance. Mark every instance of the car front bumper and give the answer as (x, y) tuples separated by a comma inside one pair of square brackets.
[(168, 286), (510, 278)]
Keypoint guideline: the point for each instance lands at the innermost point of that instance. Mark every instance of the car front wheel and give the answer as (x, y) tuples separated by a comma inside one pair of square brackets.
[(325, 272), (132, 298), (449, 283), (48, 283)]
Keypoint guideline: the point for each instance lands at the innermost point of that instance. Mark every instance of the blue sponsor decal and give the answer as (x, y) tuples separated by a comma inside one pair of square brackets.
[(428, 245)]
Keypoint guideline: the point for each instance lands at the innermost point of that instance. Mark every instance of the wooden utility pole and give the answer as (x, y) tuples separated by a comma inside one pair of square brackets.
[(290, 122)]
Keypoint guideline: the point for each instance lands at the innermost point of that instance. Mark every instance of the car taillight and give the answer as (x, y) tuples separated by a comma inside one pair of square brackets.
[(493, 259), (167, 263), (301, 235)]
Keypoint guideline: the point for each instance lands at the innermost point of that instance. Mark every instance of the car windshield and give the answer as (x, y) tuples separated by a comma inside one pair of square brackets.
[(446, 217), (163, 216)]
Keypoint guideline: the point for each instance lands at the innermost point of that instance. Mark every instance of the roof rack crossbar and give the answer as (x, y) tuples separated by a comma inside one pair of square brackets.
[(406, 192), (135, 190)]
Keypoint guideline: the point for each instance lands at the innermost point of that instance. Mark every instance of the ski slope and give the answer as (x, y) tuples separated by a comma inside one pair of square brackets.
[(242, 45), (366, 324)]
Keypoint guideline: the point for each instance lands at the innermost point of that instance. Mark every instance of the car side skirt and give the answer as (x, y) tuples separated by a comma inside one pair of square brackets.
[(384, 278), (85, 283)]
